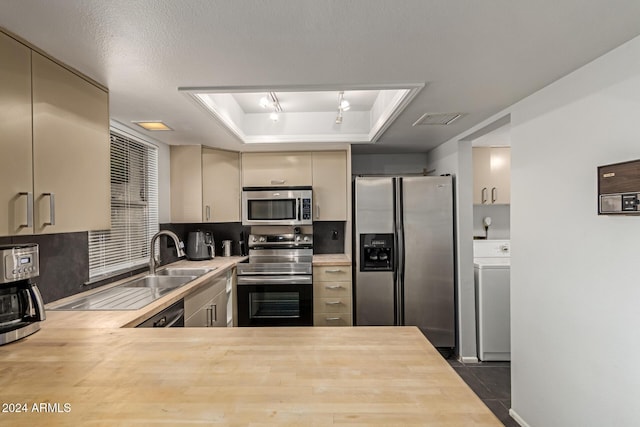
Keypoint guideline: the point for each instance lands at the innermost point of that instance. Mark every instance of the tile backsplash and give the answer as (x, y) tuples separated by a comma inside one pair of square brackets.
[(64, 257), (64, 262)]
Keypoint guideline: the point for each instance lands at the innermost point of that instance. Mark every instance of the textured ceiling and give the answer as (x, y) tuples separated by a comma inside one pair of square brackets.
[(476, 57)]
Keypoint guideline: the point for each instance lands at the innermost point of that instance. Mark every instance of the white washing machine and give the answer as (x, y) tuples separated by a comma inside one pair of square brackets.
[(492, 266)]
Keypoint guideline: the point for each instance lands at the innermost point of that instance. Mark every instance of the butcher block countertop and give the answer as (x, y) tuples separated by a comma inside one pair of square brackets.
[(233, 376), (132, 318), (93, 368)]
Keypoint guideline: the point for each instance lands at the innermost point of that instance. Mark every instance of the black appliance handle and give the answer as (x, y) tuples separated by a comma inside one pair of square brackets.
[(162, 323)]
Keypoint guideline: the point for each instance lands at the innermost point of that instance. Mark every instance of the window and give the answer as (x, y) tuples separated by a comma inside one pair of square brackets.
[(134, 208)]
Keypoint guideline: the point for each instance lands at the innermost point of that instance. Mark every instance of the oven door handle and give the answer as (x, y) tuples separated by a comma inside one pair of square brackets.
[(275, 280)]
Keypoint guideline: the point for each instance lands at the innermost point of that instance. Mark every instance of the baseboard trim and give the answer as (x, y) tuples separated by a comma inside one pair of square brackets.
[(464, 359), (513, 414)]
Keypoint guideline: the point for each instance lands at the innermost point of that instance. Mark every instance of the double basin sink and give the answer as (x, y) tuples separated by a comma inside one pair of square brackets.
[(136, 293)]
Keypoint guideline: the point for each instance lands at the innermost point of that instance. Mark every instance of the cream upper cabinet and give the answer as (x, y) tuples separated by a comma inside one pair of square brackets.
[(276, 169), (205, 184), (55, 153), (491, 175), (16, 190), (220, 185), (186, 183), (329, 185), (71, 151)]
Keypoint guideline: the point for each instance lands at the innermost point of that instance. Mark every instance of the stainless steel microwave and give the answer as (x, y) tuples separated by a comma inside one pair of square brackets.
[(276, 206)]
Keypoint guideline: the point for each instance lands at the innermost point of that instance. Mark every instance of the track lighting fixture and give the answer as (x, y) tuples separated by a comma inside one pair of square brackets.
[(343, 105), (271, 100)]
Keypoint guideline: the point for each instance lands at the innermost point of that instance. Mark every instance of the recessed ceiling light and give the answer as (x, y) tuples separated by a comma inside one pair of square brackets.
[(153, 125)]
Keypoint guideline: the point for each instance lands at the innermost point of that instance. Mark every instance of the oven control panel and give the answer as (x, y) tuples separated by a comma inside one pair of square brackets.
[(19, 262), (280, 241)]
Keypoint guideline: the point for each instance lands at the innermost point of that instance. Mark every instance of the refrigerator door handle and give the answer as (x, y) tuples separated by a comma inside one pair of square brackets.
[(400, 255)]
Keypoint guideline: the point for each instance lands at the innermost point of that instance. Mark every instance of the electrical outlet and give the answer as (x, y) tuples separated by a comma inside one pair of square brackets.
[(334, 234)]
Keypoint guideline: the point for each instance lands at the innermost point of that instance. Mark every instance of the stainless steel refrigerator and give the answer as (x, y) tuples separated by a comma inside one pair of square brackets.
[(404, 254)]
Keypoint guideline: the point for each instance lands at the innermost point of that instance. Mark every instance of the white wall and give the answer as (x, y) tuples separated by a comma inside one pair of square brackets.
[(575, 296), (455, 158), (575, 291), (500, 215)]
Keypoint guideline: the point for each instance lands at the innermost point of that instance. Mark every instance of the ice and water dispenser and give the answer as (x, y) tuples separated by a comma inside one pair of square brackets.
[(376, 252)]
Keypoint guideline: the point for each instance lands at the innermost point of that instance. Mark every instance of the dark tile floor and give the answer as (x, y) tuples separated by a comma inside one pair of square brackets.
[(491, 381)]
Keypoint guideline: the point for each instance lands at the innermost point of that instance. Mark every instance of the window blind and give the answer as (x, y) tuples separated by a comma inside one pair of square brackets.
[(134, 208)]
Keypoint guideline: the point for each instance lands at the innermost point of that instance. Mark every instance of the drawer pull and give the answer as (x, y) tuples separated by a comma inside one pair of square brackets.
[(332, 319), (334, 287), (278, 181), (333, 302), (338, 270)]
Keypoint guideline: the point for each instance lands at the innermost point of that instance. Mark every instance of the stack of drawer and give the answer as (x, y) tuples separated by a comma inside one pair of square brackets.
[(332, 295)]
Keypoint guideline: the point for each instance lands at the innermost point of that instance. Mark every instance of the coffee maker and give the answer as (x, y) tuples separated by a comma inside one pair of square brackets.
[(21, 306)]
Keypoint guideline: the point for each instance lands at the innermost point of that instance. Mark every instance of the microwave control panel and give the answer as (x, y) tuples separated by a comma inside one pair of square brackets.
[(306, 209)]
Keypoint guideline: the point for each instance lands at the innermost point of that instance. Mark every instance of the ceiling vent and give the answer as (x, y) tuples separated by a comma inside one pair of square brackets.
[(437, 119)]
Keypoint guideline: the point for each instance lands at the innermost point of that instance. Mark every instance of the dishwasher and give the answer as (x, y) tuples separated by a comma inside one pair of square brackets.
[(170, 317)]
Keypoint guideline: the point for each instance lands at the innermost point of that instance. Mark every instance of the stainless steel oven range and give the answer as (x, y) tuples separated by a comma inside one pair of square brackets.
[(275, 286)]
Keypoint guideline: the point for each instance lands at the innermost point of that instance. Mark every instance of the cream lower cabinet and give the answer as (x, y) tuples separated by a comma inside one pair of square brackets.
[(332, 295), (55, 151), (207, 307), (276, 169), (205, 184), (329, 185)]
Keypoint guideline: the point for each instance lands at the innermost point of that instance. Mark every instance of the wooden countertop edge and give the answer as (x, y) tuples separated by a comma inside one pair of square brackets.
[(331, 259), (130, 318)]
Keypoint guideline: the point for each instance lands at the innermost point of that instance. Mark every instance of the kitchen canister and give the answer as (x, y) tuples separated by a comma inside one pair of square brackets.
[(226, 247)]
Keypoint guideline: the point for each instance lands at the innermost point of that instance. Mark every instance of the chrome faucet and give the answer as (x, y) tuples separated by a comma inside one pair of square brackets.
[(153, 263)]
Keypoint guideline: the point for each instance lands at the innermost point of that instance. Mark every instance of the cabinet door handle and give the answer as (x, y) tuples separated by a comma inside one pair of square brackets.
[(483, 195), (52, 208), (317, 211), (337, 270), (29, 209), (207, 212), (215, 314), (332, 319), (209, 316), (334, 287), (333, 302), (278, 181), (494, 194)]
